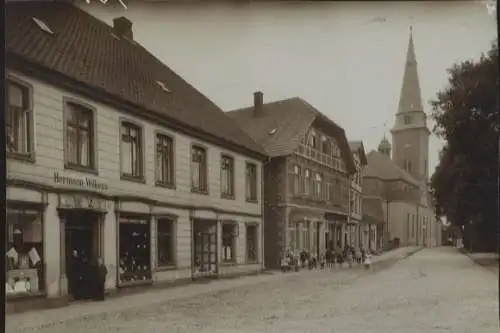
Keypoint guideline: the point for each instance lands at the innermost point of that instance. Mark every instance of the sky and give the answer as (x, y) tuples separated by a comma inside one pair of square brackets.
[(345, 59)]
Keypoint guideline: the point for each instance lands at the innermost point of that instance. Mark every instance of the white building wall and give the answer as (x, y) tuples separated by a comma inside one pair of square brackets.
[(49, 151), (403, 216)]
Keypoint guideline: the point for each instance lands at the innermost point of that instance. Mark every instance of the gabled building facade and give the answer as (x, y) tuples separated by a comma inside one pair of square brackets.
[(307, 179), (398, 173), (359, 230), (111, 154)]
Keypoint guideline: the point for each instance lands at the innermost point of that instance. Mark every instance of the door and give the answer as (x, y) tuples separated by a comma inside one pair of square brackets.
[(205, 248)]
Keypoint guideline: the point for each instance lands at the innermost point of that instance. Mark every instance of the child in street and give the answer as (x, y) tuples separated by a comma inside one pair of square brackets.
[(368, 260)]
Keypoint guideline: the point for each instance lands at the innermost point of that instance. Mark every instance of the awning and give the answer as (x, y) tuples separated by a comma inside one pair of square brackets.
[(299, 215), (367, 219), (335, 217)]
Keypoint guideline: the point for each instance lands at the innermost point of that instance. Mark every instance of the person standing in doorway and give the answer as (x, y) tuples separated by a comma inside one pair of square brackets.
[(75, 275), (100, 278)]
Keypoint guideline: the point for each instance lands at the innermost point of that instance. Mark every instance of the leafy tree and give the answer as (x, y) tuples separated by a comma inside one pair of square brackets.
[(465, 183)]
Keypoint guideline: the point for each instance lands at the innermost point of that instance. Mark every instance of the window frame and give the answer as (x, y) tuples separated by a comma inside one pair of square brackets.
[(318, 181), (223, 158), (307, 181), (140, 154), (249, 225), (234, 237), (297, 175), (172, 183), (93, 154), (30, 155), (173, 241), (255, 186), (204, 189)]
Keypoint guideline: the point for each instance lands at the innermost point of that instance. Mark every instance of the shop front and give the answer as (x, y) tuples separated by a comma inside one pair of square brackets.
[(24, 250), (134, 249), (304, 231), (336, 236)]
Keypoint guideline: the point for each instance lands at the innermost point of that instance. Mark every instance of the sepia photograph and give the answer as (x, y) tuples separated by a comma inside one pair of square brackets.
[(251, 166)]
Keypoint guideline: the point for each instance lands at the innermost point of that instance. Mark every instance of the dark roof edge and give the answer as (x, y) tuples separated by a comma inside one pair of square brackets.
[(392, 179), (362, 153), (27, 67)]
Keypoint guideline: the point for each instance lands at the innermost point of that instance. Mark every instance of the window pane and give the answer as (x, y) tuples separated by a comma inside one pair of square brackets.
[(84, 148), (251, 243), (16, 95), (134, 158), (134, 250), (72, 144), (165, 242), (126, 157), (159, 163), (198, 169), (228, 243), (195, 174)]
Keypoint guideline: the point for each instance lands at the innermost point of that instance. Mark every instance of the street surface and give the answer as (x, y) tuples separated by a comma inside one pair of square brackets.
[(433, 290)]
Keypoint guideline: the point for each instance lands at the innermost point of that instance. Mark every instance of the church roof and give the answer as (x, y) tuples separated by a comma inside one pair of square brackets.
[(381, 166), (410, 97)]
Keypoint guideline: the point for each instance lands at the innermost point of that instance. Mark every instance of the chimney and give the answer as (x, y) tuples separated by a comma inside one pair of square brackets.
[(122, 27), (258, 102)]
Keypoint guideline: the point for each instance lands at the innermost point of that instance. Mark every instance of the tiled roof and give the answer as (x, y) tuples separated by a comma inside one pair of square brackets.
[(381, 166), (357, 146), (372, 211), (87, 51), (281, 125)]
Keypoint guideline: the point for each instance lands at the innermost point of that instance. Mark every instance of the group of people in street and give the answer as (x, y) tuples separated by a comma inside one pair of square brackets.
[(294, 260), (86, 276)]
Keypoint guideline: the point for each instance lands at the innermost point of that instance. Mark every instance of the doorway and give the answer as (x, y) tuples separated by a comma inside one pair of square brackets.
[(204, 248), (82, 244)]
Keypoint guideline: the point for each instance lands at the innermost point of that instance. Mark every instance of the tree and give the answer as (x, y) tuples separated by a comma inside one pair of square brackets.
[(465, 183)]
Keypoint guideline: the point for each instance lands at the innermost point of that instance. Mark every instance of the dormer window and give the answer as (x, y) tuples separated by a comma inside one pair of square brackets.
[(163, 86), (42, 25)]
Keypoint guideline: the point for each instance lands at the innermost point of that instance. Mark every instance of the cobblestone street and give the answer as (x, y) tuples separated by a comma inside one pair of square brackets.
[(434, 290)]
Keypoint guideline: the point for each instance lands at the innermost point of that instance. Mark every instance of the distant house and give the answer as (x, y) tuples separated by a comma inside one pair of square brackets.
[(112, 154), (360, 228), (307, 180), (397, 174)]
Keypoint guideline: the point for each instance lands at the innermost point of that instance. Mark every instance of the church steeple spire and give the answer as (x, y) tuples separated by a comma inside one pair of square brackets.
[(410, 98), (410, 135)]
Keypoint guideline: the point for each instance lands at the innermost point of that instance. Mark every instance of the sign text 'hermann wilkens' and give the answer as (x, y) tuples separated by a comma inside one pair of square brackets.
[(79, 181)]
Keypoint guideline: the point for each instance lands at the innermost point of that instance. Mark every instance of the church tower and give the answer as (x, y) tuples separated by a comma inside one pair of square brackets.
[(410, 135)]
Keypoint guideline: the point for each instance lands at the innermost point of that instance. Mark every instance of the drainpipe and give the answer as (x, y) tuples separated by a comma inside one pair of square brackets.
[(349, 179), (418, 225), (262, 208), (388, 215)]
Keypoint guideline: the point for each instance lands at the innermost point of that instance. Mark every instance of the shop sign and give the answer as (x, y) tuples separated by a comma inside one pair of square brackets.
[(84, 182), (82, 201)]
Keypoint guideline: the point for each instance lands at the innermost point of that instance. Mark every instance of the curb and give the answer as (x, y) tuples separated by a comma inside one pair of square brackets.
[(489, 267)]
